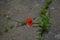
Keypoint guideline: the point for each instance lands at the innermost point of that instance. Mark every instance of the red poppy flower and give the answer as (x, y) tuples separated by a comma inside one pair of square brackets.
[(29, 21)]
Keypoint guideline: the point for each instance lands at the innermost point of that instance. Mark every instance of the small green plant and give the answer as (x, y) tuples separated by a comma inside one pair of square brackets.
[(44, 21)]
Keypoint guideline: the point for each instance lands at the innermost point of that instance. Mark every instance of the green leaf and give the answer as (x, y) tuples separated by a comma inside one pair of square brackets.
[(46, 6), (47, 26), (41, 22), (43, 12), (49, 2)]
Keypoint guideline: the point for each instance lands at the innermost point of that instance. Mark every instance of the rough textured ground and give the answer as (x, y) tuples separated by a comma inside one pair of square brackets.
[(21, 9)]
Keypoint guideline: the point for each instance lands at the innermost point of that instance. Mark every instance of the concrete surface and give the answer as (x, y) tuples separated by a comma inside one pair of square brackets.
[(21, 9)]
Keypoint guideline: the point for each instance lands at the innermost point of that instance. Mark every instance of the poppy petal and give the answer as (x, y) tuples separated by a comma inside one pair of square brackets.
[(29, 21)]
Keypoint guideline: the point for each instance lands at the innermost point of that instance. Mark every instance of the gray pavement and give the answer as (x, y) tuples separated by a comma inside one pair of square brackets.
[(21, 9)]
